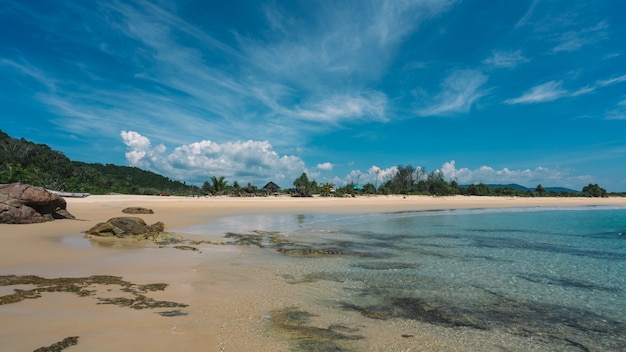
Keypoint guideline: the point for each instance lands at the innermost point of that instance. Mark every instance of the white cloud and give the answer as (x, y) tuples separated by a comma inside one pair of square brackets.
[(378, 175), (548, 91), (249, 161), (325, 166), (489, 175), (374, 175), (522, 21), (529, 177), (459, 91), (338, 108), (611, 81), (336, 40), (505, 59), (617, 113), (575, 40), (32, 72), (553, 90)]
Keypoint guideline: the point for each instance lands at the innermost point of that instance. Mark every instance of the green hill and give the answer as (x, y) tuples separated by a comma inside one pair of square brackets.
[(38, 165)]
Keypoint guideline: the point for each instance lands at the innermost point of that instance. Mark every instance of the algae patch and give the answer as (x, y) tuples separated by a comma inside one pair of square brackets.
[(86, 286), (297, 325), (61, 345)]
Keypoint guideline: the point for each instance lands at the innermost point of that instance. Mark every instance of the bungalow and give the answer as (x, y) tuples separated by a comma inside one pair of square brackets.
[(271, 188)]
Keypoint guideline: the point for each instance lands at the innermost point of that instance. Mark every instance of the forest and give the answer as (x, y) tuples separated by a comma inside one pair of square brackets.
[(37, 164)]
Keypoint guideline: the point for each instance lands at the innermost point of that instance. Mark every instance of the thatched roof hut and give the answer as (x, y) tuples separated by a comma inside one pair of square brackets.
[(271, 187)]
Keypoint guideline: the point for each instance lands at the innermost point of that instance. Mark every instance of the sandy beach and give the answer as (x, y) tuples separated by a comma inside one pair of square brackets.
[(227, 291)]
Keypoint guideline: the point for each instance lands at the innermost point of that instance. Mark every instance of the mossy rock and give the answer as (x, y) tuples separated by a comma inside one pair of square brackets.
[(122, 227)]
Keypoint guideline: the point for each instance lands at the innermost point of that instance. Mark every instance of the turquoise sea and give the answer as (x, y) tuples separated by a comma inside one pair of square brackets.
[(514, 279)]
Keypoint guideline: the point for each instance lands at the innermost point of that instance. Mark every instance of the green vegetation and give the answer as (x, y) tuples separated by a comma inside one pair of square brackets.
[(416, 181), (304, 187), (38, 165)]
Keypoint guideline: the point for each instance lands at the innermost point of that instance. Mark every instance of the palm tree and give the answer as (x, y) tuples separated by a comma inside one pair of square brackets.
[(219, 184), (327, 188)]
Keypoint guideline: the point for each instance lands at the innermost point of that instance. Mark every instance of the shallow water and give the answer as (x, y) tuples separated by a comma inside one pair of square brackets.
[(510, 279)]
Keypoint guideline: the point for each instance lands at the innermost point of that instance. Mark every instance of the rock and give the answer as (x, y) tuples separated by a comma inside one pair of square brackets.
[(26, 204), (122, 227), (137, 210)]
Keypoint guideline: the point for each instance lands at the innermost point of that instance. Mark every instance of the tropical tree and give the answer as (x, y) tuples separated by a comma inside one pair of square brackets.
[(304, 187), (402, 181), (540, 190), (218, 185), (593, 190), (480, 189), (250, 189), (369, 188), (436, 184), (327, 189)]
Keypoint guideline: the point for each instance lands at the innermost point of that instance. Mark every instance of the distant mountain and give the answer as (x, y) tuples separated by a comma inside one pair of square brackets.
[(38, 165)]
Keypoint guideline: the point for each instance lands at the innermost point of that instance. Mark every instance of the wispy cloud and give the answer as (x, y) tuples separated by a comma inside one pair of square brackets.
[(505, 59), (333, 56), (31, 71), (554, 90), (336, 41), (338, 108), (619, 112), (548, 91), (459, 91), (166, 78), (575, 40), (531, 9)]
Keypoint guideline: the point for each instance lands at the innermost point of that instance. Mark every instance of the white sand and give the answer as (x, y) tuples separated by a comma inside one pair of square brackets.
[(226, 311)]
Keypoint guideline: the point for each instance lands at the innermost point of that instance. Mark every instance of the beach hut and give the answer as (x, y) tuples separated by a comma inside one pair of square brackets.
[(271, 188)]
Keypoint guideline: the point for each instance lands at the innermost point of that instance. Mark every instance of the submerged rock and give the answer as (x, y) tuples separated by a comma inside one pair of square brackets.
[(26, 204), (313, 252), (308, 337)]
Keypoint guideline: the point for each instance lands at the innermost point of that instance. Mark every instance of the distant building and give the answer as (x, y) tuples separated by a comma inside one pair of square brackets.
[(271, 188)]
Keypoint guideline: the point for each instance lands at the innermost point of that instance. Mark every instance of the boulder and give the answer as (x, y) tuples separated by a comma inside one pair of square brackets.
[(123, 227), (26, 204), (137, 210)]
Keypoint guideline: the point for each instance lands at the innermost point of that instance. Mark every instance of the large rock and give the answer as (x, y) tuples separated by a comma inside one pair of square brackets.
[(26, 204), (122, 227)]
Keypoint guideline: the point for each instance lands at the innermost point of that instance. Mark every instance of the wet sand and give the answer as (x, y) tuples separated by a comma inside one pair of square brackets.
[(229, 290)]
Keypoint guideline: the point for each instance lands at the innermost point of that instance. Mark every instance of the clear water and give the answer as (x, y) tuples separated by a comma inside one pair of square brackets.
[(554, 277)]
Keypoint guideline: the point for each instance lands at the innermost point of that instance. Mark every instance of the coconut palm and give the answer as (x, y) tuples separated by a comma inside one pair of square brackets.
[(219, 185), (327, 188)]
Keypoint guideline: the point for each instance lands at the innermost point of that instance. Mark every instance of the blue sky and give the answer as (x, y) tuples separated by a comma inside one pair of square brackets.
[(530, 92)]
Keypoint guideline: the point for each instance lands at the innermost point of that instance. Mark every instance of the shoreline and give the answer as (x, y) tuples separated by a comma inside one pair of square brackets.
[(210, 282), (221, 206)]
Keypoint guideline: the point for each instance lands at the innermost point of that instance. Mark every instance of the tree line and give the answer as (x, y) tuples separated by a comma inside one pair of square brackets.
[(416, 181), (39, 165)]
